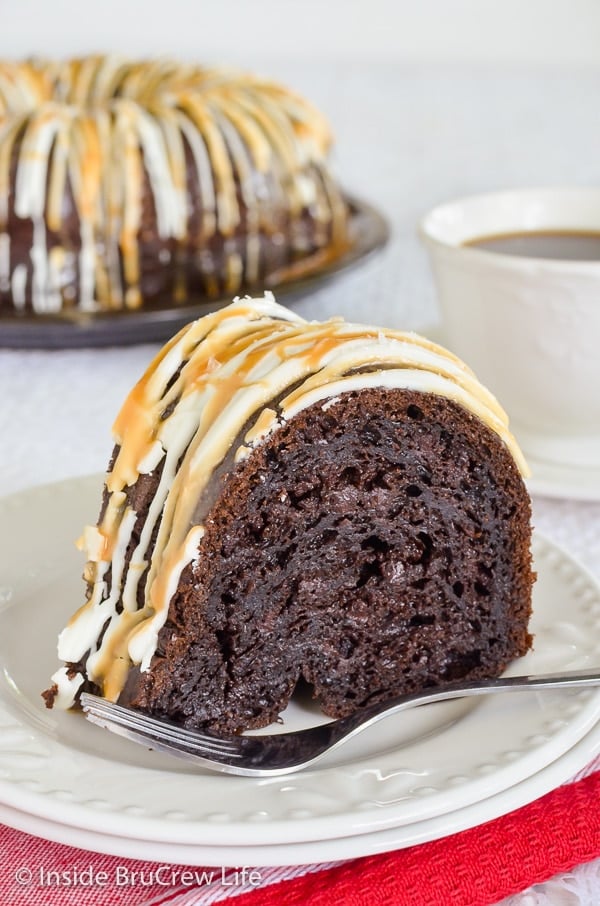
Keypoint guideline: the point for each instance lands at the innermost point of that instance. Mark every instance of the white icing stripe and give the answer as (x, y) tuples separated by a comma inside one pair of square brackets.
[(32, 169), (87, 264), (82, 634), (364, 351), (223, 373), (67, 686), (205, 176), (142, 643), (4, 262), (18, 286)]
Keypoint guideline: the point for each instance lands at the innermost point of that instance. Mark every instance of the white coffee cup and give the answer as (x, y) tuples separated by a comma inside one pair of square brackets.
[(528, 327)]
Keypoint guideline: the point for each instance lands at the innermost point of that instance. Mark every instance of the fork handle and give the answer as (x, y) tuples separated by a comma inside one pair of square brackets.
[(370, 714)]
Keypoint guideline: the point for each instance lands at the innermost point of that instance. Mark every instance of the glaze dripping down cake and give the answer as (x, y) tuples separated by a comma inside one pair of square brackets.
[(127, 184), (299, 501)]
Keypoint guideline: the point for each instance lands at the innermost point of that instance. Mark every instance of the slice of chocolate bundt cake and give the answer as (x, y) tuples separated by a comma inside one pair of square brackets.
[(292, 501)]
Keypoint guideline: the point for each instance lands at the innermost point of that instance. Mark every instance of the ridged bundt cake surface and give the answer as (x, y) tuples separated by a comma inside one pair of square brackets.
[(289, 501), (126, 184)]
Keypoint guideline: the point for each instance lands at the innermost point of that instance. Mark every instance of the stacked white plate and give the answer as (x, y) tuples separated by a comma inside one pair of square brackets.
[(421, 775)]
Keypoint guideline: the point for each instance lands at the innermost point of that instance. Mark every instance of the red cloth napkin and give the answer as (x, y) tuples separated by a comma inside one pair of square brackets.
[(477, 867)]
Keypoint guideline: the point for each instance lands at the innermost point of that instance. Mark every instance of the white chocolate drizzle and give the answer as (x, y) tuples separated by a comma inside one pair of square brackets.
[(212, 394)]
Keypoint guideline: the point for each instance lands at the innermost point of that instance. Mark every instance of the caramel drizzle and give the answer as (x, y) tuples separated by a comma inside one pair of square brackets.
[(214, 378), (100, 124)]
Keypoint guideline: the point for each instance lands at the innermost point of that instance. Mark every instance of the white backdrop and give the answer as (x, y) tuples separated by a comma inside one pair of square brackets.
[(247, 31)]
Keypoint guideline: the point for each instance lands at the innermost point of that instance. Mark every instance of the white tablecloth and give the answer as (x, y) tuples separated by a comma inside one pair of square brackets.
[(408, 137)]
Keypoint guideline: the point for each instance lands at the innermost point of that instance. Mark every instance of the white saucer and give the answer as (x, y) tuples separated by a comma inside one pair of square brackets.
[(62, 776), (548, 478), (564, 481)]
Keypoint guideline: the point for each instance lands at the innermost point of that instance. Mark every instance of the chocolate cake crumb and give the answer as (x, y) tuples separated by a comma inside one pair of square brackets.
[(49, 695), (370, 547)]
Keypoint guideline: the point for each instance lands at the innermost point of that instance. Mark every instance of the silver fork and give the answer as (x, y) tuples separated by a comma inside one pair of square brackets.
[(283, 753)]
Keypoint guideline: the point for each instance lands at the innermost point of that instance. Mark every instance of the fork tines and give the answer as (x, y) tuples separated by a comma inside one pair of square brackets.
[(100, 710)]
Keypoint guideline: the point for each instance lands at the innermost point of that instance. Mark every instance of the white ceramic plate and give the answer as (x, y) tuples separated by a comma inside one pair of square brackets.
[(58, 769), (548, 478), (320, 851)]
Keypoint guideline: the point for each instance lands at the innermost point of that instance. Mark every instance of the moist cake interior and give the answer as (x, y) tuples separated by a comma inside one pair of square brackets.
[(370, 547)]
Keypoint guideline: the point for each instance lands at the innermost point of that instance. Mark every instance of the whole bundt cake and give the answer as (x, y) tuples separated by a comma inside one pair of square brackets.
[(127, 184), (291, 501)]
